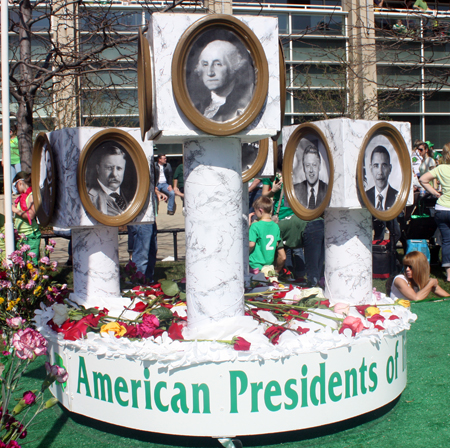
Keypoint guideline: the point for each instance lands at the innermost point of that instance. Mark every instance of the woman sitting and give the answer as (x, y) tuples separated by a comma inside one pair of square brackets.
[(25, 213), (415, 284)]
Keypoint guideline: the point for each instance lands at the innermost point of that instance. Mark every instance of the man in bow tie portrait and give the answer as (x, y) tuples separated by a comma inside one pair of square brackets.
[(106, 194), (381, 195), (311, 192)]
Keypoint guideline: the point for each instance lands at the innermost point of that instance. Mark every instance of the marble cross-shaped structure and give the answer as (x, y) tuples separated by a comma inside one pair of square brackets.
[(212, 173)]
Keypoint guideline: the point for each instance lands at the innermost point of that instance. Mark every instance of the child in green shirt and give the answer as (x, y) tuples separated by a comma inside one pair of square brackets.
[(264, 238)]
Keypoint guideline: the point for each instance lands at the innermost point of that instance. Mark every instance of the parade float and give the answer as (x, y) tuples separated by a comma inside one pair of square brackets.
[(223, 354)]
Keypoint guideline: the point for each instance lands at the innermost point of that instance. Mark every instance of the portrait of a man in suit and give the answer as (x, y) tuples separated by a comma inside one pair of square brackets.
[(105, 193), (381, 195), (312, 191), (223, 77)]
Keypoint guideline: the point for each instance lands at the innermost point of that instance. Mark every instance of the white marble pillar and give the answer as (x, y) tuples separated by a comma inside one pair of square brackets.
[(214, 245), (245, 207), (348, 255), (96, 275)]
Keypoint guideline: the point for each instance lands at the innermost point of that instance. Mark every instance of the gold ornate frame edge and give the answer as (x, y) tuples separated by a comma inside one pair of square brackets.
[(288, 161), (143, 176), (179, 79)]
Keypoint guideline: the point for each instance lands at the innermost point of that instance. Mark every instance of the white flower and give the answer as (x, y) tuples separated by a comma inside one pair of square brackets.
[(61, 313)]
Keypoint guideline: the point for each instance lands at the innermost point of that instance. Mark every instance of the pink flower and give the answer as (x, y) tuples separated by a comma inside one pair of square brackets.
[(14, 322), (31, 254), (59, 373), (341, 308), (354, 323), (29, 343), (29, 397), (49, 249), (241, 344), (45, 260), (52, 242), (149, 325), (24, 248)]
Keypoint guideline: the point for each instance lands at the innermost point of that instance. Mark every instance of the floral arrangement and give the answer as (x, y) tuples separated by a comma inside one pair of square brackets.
[(161, 307), (23, 287)]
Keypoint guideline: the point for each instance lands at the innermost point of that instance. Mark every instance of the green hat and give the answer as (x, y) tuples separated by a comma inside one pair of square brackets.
[(429, 144)]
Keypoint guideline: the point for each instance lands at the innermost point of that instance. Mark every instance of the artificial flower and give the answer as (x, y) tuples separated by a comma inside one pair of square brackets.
[(241, 344), (354, 323), (175, 331), (61, 313), (341, 308), (403, 302), (371, 310), (115, 327)]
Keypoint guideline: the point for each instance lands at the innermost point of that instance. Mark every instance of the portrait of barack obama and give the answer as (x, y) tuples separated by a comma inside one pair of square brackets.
[(107, 190), (382, 196)]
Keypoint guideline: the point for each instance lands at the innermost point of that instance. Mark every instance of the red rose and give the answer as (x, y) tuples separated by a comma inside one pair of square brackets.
[(139, 307), (301, 330), (362, 309), (375, 318), (393, 317), (241, 344), (325, 302), (274, 332), (149, 325), (175, 331), (354, 323), (379, 327)]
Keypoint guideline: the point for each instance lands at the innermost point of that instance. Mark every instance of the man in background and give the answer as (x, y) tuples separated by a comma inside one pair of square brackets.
[(163, 181)]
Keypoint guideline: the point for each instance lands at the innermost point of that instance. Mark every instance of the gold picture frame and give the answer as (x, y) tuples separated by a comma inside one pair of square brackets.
[(145, 85), (259, 162), (43, 179), (397, 162), (308, 139), (215, 29), (282, 89), (134, 183)]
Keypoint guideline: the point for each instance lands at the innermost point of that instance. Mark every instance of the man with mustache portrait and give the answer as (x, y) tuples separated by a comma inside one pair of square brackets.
[(110, 168)]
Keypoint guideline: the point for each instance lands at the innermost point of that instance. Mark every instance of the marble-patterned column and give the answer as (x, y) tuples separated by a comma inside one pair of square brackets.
[(214, 245), (348, 255), (245, 207), (96, 276)]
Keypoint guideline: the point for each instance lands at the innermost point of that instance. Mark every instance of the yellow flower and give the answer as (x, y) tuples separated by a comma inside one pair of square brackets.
[(36, 276), (19, 283), (1, 300), (119, 330), (371, 311), (37, 291), (30, 266), (23, 277), (10, 306), (403, 302)]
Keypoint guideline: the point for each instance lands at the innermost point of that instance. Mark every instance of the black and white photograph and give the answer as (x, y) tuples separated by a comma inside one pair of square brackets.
[(249, 155), (46, 179), (111, 178), (382, 173), (311, 172), (220, 75)]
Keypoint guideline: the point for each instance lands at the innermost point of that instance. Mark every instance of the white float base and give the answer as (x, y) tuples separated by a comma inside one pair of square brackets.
[(233, 398)]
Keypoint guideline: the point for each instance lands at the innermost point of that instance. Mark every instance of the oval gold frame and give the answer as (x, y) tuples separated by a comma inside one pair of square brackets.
[(145, 85), (39, 144), (179, 85), (399, 145), (143, 176), (282, 89), (260, 160), (288, 162)]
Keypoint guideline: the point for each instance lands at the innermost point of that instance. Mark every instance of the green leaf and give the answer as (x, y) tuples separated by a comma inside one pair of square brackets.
[(169, 288), (183, 296), (162, 313)]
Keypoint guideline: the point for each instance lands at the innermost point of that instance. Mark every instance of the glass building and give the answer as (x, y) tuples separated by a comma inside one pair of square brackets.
[(358, 61)]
